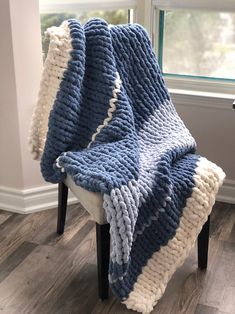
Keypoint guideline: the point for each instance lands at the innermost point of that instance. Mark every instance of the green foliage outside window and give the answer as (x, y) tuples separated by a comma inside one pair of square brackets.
[(48, 20), (200, 43)]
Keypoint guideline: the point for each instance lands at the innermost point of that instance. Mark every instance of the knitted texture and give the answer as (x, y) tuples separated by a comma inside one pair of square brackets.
[(113, 128), (55, 65)]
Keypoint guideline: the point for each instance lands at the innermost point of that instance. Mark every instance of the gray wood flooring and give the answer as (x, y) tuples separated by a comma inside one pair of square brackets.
[(43, 273)]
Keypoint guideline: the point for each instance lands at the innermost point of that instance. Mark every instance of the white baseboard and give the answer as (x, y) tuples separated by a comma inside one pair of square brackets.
[(41, 198), (227, 192), (31, 200)]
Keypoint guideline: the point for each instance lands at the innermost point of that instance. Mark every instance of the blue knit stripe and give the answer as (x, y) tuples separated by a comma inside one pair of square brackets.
[(67, 100), (98, 81), (87, 82), (161, 230), (93, 168), (139, 70)]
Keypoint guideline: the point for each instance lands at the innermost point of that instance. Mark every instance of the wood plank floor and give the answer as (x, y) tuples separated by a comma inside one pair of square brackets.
[(43, 273)]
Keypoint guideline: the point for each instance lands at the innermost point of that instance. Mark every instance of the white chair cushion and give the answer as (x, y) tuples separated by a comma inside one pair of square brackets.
[(91, 201)]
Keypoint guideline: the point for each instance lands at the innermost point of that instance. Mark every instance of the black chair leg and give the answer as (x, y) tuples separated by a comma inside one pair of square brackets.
[(62, 207), (202, 245), (103, 250)]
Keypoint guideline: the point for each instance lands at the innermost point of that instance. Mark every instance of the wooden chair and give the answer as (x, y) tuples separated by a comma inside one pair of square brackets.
[(103, 241)]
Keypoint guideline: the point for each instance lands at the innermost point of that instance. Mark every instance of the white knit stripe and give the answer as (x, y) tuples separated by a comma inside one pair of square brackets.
[(112, 107), (152, 282), (56, 63)]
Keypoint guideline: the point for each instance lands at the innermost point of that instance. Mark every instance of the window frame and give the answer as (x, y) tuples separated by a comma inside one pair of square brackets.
[(82, 6), (60, 6), (141, 8), (147, 13), (191, 83)]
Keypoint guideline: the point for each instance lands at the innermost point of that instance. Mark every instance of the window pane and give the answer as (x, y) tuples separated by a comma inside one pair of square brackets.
[(199, 43), (48, 20)]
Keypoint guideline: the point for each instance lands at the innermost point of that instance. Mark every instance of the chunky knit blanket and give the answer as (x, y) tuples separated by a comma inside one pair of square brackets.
[(113, 128)]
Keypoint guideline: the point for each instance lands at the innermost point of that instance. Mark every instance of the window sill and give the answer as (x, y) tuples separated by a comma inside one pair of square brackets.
[(201, 86), (202, 99), (202, 94)]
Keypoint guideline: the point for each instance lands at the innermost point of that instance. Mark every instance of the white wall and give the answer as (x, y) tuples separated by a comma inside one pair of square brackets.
[(22, 188), (212, 123), (20, 69), (10, 164), (214, 131), (28, 66)]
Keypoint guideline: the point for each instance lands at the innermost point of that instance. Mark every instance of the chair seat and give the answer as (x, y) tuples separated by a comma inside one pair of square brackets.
[(91, 201)]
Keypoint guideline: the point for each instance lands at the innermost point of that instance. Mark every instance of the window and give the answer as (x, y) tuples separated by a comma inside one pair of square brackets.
[(198, 43), (195, 44), (53, 13), (193, 39)]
